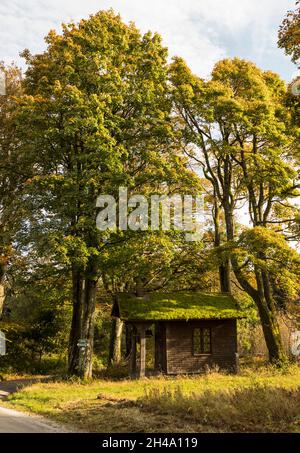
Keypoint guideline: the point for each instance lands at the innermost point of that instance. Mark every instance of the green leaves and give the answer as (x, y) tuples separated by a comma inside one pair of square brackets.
[(268, 250), (289, 35), (96, 115)]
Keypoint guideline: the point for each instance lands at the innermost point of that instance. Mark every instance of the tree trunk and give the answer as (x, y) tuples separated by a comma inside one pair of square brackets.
[(224, 268), (230, 236), (75, 333), (224, 277), (267, 314), (262, 297), (86, 362), (2, 289), (2, 298), (272, 335), (115, 342)]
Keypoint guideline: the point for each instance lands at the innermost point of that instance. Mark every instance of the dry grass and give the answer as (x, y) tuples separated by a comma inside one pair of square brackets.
[(258, 408), (264, 400)]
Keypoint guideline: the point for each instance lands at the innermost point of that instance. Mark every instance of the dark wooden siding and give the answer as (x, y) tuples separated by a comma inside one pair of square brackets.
[(160, 347), (179, 346)]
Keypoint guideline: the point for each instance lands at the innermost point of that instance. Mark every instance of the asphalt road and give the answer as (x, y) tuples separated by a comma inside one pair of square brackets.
[(12, 421)]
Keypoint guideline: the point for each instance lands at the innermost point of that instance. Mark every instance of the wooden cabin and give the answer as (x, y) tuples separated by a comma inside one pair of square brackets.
[(190, 331)]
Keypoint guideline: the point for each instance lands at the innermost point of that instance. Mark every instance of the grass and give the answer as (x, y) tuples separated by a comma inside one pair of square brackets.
[(263, 400), (258, 408)]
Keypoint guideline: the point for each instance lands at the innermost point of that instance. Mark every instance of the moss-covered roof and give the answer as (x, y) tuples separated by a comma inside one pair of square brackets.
[(176, 306)]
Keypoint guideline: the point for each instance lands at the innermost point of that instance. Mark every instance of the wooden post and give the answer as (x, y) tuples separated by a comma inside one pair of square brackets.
[(133, 354), (142, 362), (237, 363), (128, 339), (158, 347)]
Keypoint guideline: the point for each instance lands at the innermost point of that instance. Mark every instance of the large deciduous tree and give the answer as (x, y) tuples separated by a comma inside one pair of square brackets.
[(96, 115), (15, 169), (239, 128)]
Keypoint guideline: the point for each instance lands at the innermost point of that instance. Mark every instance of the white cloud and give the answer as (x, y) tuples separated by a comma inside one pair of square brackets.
[(202, 31)]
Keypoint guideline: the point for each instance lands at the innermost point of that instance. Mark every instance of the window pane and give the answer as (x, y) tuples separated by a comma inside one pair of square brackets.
[(206, 341), (197, 341)]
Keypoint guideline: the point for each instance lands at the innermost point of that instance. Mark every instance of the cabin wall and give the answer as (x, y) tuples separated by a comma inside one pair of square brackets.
[(179, 346)]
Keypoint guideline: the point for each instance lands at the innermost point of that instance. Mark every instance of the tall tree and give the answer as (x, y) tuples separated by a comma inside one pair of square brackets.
[(14, 171), (239, 127), (289, 39), (96, 115)]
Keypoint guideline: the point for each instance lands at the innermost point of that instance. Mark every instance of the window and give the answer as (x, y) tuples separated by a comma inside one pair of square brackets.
[(202, 341)]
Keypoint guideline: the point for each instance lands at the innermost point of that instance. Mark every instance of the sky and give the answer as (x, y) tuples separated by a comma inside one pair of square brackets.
[(201, 31)]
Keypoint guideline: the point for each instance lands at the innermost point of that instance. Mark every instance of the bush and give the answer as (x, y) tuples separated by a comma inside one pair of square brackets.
[(26, 354)]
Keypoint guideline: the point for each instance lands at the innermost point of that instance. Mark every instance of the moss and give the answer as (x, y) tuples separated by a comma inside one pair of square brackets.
[(178, 306)]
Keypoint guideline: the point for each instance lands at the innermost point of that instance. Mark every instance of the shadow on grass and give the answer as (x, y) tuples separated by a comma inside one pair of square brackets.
[(15, 385), (121, 416)]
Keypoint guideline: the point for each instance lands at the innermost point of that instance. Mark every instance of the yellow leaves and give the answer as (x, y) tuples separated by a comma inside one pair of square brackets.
[(51, 181), (71, 249), (256, 94), (52, 36), (270, 249), (3, 260), (288, 283), (289, 35), (57, 87)]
